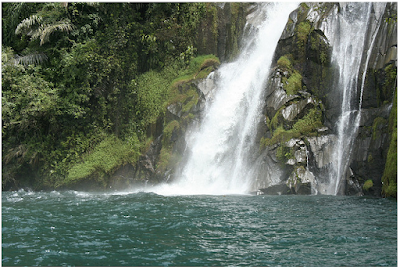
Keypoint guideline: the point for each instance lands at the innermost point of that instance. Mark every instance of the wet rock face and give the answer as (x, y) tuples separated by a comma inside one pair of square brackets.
[(295, 110), (222, 27), (311, 59)]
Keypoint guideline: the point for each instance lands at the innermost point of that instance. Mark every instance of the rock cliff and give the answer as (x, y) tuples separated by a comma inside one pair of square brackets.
[(301, 82), (297, 135)]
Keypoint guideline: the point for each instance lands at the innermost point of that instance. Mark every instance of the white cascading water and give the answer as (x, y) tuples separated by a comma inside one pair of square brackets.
[(221, 147), (348, 34)]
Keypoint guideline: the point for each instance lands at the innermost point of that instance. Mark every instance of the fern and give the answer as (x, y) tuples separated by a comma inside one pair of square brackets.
[(25, 27), (42, 31), (30, 59), (46, 30)]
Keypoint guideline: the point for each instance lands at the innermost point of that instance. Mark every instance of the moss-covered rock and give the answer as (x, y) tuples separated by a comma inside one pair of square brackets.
[(389, 177), (221, 28), (102, 162), (368, 184), (183, 109)]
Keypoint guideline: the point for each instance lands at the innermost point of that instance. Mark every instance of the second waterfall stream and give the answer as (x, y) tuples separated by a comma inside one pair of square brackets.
[(219, 149)]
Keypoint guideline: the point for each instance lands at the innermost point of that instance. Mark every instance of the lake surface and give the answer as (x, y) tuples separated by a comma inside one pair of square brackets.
[(145, 229)]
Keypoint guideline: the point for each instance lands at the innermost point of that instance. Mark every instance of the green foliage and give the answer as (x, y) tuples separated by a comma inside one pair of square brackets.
[(29, 102), (302, 30), (202, 62), (155, 90), (306, 126), (293, 84), (192, 99), (151, 89), (107, 156), (324, 57), (280, 135), (75, 74), (167, 133), (34, 28), (283, 153), (389, 178), (198, 68), (390, 79), (277, 119), (377, 126), (164, 158), (368, 184), (284, 63), (309, 123)]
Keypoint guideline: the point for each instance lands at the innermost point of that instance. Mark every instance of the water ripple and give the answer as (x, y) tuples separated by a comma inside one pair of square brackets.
[(145, 229)]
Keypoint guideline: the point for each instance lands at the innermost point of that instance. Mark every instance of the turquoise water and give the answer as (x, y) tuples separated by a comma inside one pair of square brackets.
[(145, 229)]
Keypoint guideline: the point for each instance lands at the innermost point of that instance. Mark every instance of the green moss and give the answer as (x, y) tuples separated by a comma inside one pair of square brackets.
[(277, 119), (309, 123), (199, 68), (204, 72), (392, 124), (107, 156), (284, 63), (368, 184), (304, 5), (167, 133), (268, 122), (164, 158), (284, 153), (370, 158), (389, 178), (314, 43), (190, 99), (379, 122), (302, 31), (235, 25), (280, 135), (385, 91), (306, 126), (293, 84), (323, 57), (201, 62)]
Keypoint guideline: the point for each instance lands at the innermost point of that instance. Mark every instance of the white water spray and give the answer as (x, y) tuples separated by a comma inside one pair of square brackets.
[(220, 149), (348, 35)]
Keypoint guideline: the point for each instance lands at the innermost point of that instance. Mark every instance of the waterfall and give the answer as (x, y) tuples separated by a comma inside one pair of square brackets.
[(348, 34), (220, 149)]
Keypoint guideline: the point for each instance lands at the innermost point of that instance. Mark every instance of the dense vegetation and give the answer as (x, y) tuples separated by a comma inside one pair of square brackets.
[(82, 79)]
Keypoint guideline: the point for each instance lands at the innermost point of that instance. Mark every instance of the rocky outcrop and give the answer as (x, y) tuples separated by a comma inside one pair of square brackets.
[(305, 157)]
